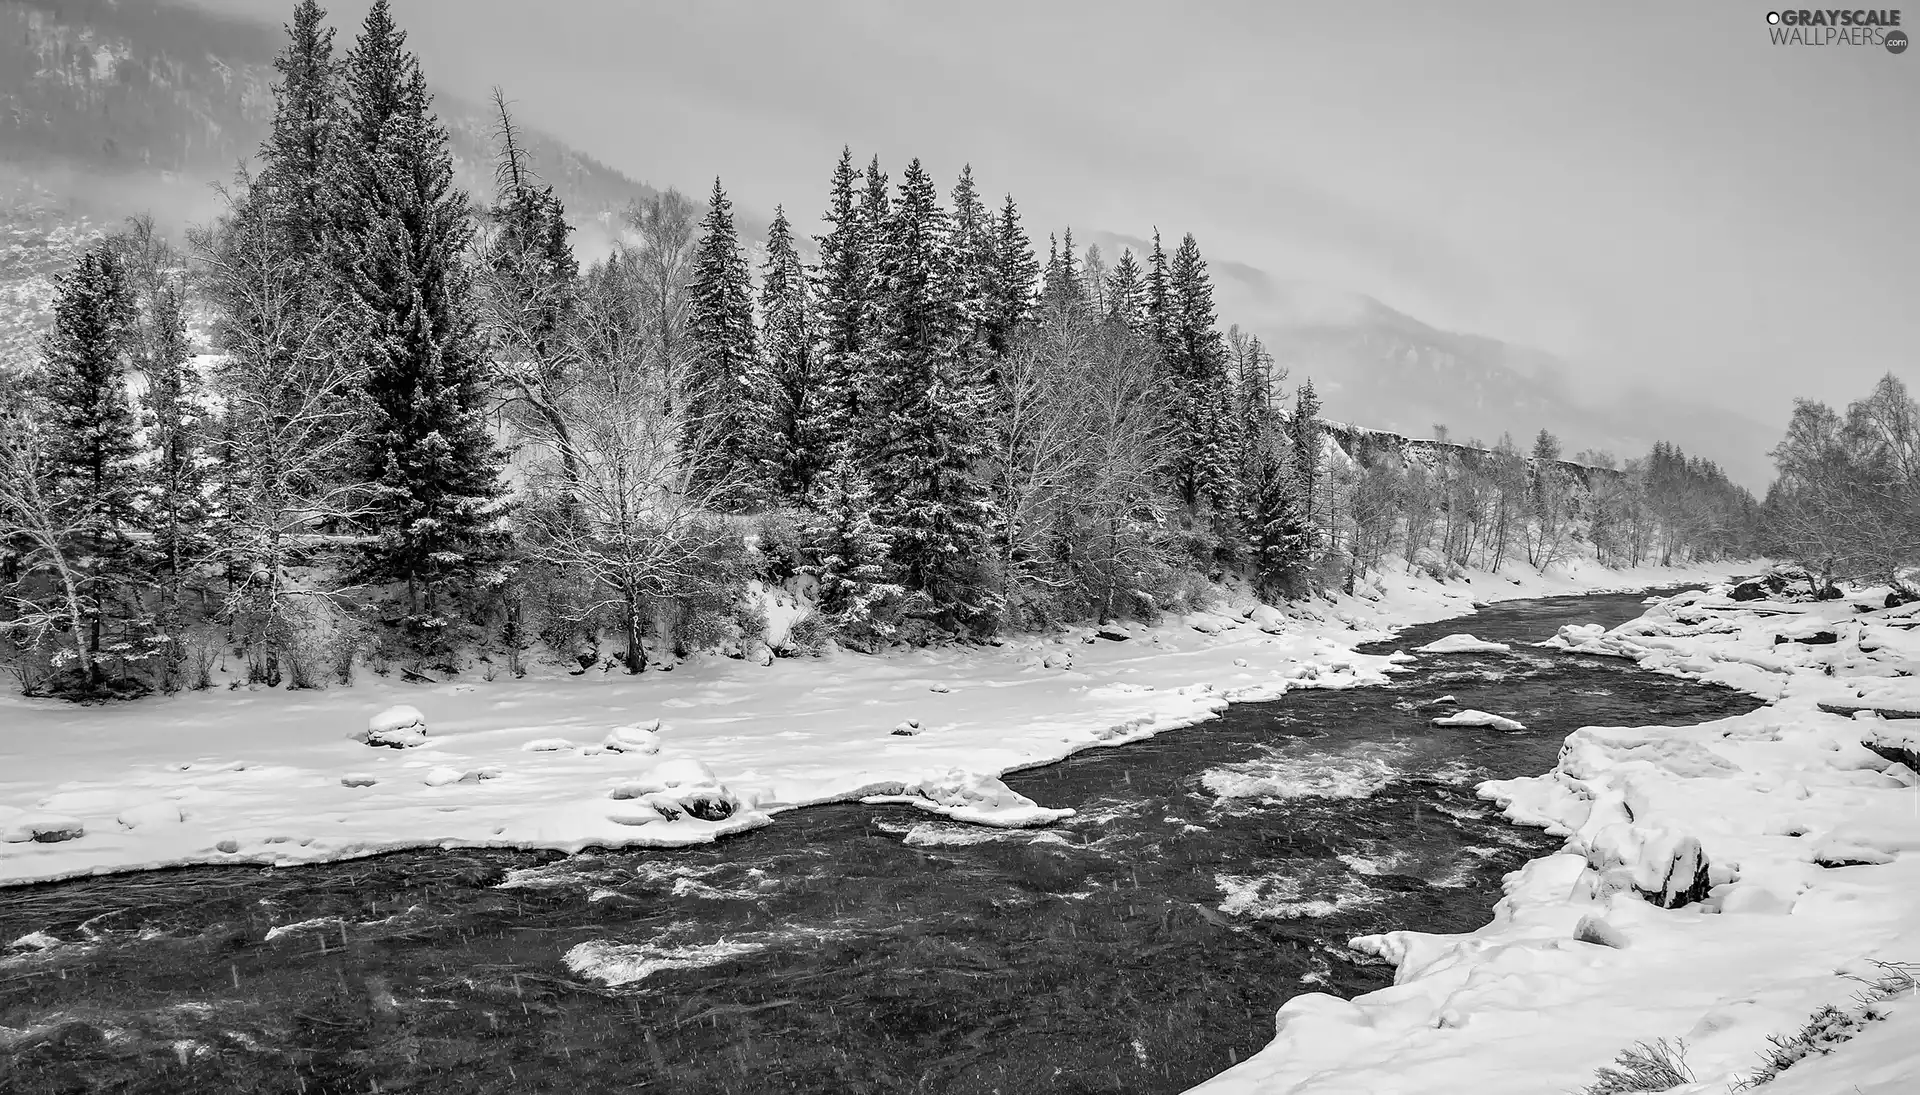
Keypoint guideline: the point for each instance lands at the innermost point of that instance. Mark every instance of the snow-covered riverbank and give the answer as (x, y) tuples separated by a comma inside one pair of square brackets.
[(277, 777), (1802, 840)]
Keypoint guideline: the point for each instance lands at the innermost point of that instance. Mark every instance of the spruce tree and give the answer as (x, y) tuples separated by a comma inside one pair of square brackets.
[(849, 556), (1276, 531), (93, 481), (840, 286), (530, 260), (1126, 293), (1159, 300), (973, 253), (801, 434), (1303, 434), (1015, 270), (176, 476), (432, 463), (1203, 396), (923, 436), (298, 155), (724, 393)]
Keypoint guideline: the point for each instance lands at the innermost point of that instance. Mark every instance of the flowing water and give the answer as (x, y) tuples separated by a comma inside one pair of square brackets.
[(1140, 946)]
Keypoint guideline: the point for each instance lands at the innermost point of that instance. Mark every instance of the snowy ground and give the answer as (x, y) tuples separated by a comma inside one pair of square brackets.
[(280, 777), (1802, 841)]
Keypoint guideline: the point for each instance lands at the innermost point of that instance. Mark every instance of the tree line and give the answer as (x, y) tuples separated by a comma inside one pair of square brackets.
[(430, 429)]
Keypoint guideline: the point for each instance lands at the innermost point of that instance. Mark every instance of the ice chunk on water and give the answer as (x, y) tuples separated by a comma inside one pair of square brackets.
[(1480, 718)]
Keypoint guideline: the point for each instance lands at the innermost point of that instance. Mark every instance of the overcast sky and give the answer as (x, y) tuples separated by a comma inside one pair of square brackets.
[(1655, 191)]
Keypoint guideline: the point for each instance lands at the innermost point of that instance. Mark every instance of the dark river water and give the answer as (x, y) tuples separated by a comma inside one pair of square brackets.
[(1140, 946)]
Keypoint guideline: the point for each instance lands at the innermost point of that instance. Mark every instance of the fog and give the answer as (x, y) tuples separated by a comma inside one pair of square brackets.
[(1661, 196)]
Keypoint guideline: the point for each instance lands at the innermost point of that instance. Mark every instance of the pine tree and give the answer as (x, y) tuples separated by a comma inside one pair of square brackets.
[(1203, 396), (840, 286), (530, 260), (1276, 531), (1126, 293), (1062, 289), (923, 436), (1015, 270), (431, 459), (801, 435), (1303, 433), (176, 477), (849, 556), (1159, 299), (724, 391), (973, 252), (298, 156), (93, 482)]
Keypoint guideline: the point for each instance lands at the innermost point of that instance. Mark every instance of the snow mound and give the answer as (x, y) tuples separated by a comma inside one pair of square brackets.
[(547, 745), (639, 737), (1462, 643), (1480, 718), (397, 727), (443, 775), (150, 814), (975, 797)]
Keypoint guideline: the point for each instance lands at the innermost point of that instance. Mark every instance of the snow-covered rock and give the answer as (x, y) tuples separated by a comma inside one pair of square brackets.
[(1479, 718), (675, 788), (547, 745), (965, 795), (1463, 643), (442, 775), (907, 728), (22, 826), (397, 727), (638, 737)]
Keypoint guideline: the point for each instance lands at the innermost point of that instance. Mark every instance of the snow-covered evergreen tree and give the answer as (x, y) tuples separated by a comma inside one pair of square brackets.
[(922, 438), (840, 288), (298, 158), (800, 430), (431, 460), (1015, 272), (1204, 400), (1127, 293), (849, 556), (1159, 297), (724, 391), (973, 255), (92, 484)]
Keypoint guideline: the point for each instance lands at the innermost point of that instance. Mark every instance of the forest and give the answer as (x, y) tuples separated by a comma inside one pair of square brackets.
[(366, 421)]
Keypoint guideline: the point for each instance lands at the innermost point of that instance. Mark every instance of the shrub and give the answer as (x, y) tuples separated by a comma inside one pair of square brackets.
[(1654, 1066)]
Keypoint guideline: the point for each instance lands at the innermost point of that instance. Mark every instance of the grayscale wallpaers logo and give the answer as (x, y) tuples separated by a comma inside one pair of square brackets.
[(1838, 27)]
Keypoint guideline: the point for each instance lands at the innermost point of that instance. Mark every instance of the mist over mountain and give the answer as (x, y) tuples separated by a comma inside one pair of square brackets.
[(1378, 367)]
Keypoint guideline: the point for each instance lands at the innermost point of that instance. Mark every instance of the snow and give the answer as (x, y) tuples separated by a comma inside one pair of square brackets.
[(972, 796), (1479, 718), (1462, 644), (274, 776), (1718, 884)]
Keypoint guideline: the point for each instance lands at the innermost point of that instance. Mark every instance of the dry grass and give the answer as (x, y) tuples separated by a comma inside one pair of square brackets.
[(1648, 1066)]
